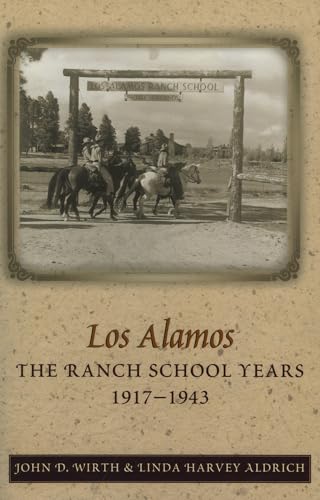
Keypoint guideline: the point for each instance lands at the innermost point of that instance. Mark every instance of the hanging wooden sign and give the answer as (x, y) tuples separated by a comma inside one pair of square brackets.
[(153, 97), (164, 86)]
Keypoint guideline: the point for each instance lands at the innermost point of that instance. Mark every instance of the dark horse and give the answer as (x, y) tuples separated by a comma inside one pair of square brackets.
[(65, 185)]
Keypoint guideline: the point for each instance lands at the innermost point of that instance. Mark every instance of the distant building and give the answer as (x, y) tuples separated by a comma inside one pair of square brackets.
[(188, 150), (148, 146), (179, 150), (222, 151)]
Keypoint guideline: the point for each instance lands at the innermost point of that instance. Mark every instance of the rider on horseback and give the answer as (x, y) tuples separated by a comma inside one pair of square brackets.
[(94, 174), (97, 151), (170, 173), (86, 154)]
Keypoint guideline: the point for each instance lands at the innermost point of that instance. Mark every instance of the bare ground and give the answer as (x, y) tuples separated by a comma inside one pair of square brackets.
[(202, 241)]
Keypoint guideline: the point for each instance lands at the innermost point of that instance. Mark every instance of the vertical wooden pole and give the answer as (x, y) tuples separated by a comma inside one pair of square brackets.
[(237, 156), (73, 119), (171, 148)]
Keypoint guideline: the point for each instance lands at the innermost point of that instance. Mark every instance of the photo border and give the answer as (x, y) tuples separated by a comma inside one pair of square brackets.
[(290, 46)]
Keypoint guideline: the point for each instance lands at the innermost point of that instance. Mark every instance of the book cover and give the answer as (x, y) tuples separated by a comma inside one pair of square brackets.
[(159, 281)]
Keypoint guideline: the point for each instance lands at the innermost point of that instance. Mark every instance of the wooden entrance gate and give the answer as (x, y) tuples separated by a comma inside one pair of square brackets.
[(238, 114)]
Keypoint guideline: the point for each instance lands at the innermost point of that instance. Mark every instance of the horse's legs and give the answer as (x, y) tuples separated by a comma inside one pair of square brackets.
[(176, 204), (134, 187), (140, 213), (122, 190), (66, 207), (74, 199), (105, 201), (93, 206), (113, 213), (175, 209), (121, 194), (155, 208), (135, 200), (62, 199), (105, 204)]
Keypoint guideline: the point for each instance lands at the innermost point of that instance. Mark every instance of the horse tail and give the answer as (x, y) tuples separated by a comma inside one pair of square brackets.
[(136, 184), (52, 189), (62, 183)]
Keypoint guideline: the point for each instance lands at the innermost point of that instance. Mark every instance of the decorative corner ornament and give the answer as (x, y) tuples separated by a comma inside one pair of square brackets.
[(290, 46), (290, 271), (16, 271), (17, 46)]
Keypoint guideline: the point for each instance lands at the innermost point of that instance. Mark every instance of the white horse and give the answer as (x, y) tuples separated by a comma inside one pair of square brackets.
[(152, 183)]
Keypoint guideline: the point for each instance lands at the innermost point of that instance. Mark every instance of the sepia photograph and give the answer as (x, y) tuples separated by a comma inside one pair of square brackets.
[(137, 159)]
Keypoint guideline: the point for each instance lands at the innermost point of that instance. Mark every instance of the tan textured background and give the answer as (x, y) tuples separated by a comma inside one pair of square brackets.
[(277, 322)]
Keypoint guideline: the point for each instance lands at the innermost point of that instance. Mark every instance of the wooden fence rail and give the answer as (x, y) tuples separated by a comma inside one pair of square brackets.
[(263, 178)]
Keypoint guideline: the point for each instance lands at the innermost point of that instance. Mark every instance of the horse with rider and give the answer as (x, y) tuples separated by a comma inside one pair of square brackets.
[(113, 179), (165, 180), (100, 177)]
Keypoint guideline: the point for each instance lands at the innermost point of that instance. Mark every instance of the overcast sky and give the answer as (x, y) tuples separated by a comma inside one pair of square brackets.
[(198, 116)]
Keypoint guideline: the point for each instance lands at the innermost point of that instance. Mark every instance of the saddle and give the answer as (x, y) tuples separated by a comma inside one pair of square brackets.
[(167, 182), (173, 181), (164, 177), (95, 180)]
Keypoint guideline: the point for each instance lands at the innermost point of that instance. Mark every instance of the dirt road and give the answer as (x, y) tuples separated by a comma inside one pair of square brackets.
[(201, 241)]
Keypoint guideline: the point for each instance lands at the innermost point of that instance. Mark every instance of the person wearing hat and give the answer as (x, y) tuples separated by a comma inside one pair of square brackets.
[(163, 156), (169, 174), (162, 165), (86, 154), (97, 151)]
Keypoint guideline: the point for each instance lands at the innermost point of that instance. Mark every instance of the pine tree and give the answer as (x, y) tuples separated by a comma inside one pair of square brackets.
[(25, 118), (85, 124), (25, 130), (108, 132), (47, 130), (132, 140), (33, 110), (270, 154), (52, 118), (30, 54)]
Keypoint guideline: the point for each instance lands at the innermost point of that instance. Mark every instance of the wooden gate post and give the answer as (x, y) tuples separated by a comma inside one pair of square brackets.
[(73, 119), (171, 148), (237, 156)]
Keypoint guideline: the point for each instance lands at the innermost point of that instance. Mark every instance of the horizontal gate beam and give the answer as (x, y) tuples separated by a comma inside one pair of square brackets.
[(91, 73)]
